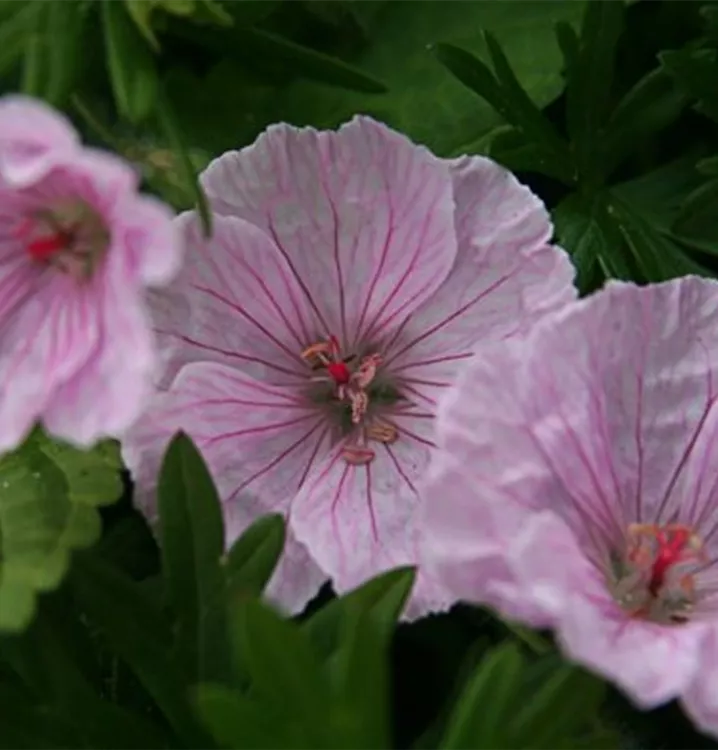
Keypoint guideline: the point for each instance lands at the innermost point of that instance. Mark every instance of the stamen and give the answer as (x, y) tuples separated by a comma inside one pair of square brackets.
[(655, 580), (382, 432)]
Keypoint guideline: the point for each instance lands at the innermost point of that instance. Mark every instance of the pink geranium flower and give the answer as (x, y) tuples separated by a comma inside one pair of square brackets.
[(576, 486), (78, 245), (350, 275)]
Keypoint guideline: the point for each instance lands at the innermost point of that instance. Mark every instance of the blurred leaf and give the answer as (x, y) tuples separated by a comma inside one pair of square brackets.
[(561, 701), (708, 166), (383, 596), (589, 83), (192, 546), (132, 69), (696, 72), (52, 58), (186, 168), (239, 722), (243, 42), (424, 101), (251, 560), (285, 673), (47, 665), (48, 498), (480, 715), (697, 221), (139, 635), (650, 106), (14, 31), (569, 44)]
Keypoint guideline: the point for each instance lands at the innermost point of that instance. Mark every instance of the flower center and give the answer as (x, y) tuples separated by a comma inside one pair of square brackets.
[(352, 382), (70, 236), (655, 577)]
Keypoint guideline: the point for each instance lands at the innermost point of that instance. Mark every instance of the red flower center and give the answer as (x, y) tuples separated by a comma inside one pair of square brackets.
[(656, 581)]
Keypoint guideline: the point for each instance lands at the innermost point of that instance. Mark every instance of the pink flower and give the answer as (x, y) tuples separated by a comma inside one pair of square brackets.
[(576, 486), (349, 276), (78, 245)]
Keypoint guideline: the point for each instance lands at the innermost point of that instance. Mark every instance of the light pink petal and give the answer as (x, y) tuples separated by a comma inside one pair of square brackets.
[(358, 521), (505, 277), (235, 301), (257, 439), (32, 136), (108, 394), (43, 344), (700, 701), (152, 239), (364, 218)]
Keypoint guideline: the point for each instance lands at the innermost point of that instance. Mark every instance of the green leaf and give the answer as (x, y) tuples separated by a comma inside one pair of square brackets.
[(650, 106), (589, 83), (538, 143), (52, 59), (708, 166), (656, 254), (696, 72), (46, 512), (537, 723), (132, 69), (14, 31), (251, 560), (192, 545), (360, 676), (697, 221), (424, 100), (526, 115), (168, 123), (479, 717), (285, 672), (239, 722), (47, 664), (383, 596), (140, 636), (243, 42)]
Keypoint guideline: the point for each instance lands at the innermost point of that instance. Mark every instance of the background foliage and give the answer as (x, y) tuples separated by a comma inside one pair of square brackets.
[(609, 110)]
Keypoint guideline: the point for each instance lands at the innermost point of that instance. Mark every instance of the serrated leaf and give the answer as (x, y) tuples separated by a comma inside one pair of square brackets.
[(481, 711), (132, 69), (697, 221), (651, 105), (509, 147), (46, 512), (383, 596), (192, 546), (589, 83), (137, 633), (696, 72)]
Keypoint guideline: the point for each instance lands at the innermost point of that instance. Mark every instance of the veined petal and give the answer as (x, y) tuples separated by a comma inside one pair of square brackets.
[(258, 440), (505, 277), (364, 218), (236, 301)]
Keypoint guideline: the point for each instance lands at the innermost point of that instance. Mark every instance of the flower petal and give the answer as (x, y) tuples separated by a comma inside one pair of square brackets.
[(32, 135), (505, 277), (235, 301), (358, 521), (701, 699), (363, 217), (44, 343), (249, 433)]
